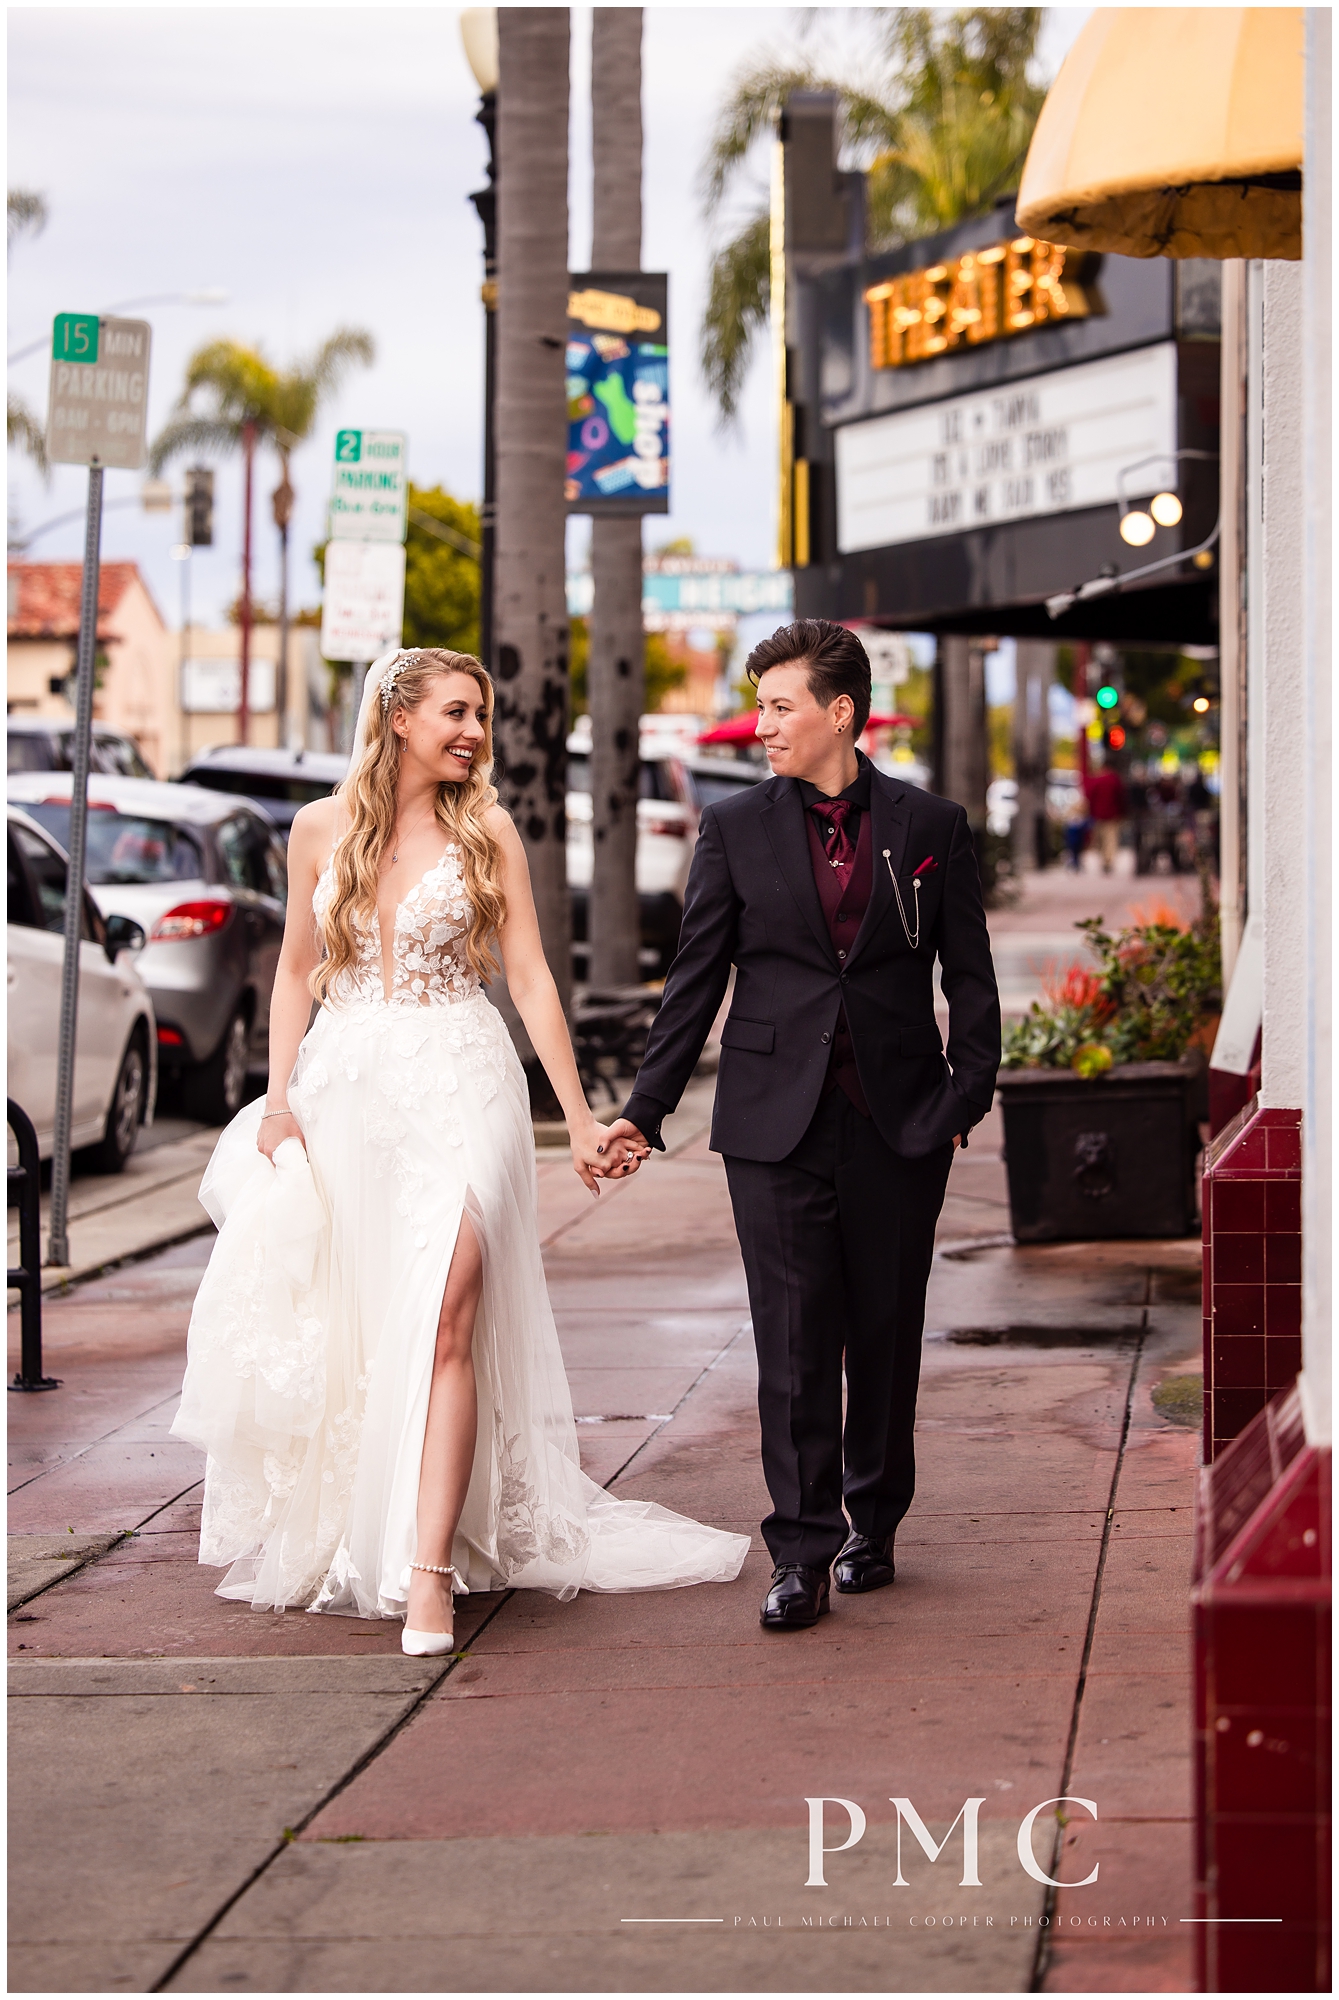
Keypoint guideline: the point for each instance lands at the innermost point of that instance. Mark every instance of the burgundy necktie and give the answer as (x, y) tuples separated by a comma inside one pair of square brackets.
[(832, 815)]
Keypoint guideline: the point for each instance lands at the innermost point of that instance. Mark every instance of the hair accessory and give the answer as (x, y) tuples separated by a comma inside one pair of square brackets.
[(392, 674)]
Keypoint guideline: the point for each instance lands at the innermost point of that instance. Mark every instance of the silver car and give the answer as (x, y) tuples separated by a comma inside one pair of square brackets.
[(206, 877), (115, 1042)]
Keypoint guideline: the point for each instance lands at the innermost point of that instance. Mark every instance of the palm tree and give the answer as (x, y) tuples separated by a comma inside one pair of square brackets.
[(234, 398), (616, 674), (940, 119), (25, 213), (530, 585)]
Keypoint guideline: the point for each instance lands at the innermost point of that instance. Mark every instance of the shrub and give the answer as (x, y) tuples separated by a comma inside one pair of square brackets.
[(1156, 986)]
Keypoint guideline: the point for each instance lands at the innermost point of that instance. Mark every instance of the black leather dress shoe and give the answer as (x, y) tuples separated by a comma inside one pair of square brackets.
[(798, 1597), (864, 1564)]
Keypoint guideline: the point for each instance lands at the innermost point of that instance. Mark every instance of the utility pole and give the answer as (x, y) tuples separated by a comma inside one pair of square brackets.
[(617, 650), (530, 609)]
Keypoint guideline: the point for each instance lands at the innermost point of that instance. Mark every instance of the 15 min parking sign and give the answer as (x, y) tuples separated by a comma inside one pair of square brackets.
[(97, 411)]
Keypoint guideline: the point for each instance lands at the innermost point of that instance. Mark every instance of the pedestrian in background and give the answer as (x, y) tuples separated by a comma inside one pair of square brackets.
[(1076, 824), (1109, 808)]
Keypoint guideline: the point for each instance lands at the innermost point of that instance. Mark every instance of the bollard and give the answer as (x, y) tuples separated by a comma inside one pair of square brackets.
[(25, 1195)]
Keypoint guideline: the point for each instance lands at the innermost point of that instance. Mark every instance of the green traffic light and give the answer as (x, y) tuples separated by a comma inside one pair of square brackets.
[(1107, 697)]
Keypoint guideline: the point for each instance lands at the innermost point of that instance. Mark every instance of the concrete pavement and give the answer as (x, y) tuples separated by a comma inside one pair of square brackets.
[(611, 1793)]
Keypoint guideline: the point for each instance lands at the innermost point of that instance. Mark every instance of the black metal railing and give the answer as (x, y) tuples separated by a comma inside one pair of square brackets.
[(25, 1194)]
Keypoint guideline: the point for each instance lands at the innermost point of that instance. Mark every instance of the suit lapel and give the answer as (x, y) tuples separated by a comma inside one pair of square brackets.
[(783, 820), (890, 828)]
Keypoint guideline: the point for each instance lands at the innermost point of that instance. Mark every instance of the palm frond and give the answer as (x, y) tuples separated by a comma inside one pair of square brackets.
[(240, 381), (23, 431), (737, 306), (336, 355), (25, 211), (188, 433), (756, 94)]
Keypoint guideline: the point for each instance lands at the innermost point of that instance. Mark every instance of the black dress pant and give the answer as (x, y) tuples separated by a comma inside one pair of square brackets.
[(837, 1239)]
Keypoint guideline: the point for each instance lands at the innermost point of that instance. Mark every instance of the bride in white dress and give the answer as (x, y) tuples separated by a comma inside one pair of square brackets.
[(373, 1368)]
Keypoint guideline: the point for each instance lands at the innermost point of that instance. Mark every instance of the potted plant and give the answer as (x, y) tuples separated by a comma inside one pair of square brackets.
[(1104, 1083)]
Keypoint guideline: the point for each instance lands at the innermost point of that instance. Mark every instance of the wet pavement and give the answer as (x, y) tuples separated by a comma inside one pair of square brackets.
[(611, 1794)]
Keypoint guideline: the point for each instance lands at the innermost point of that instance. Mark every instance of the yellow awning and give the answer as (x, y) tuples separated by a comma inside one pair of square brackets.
[(1173, 132)]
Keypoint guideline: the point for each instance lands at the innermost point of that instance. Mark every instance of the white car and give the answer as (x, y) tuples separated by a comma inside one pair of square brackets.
[(116, 1052)]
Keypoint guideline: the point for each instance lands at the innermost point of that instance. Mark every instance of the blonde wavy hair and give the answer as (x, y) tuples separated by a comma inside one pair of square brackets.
[(368, 795)]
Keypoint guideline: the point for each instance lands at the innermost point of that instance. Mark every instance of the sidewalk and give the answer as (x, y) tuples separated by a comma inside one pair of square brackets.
[(239, 1801)]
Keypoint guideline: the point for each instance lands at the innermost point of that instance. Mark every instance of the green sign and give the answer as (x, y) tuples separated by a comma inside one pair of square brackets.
[(74, 337), (367, 493)]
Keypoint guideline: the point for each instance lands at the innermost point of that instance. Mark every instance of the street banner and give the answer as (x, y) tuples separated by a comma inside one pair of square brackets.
[(367, 493), (362, 613), (690, 593), (97, 408), (618, 406)]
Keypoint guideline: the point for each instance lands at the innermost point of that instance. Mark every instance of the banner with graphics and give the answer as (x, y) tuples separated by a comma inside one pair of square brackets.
[(618, 405)]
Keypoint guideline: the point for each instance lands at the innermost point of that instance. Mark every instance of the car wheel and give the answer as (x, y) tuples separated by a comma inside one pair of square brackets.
[(124, 1114), (214, 1092)]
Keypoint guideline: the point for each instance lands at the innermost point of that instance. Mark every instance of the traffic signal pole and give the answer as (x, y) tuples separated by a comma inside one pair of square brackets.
[(58, 1244)]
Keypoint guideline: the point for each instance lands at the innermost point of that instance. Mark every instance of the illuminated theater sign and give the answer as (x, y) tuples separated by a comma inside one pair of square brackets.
[(991, 294)]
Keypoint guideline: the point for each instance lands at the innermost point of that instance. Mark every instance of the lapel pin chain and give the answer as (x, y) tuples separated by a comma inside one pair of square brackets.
[(912, 939)]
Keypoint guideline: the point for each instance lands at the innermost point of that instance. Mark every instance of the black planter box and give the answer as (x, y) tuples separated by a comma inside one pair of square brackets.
[(1108, 1156)]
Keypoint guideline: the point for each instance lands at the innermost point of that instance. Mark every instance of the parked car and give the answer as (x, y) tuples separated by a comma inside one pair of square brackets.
[(282, 780), (116, 1044), (206, 876), (36, 743), (672, 790)]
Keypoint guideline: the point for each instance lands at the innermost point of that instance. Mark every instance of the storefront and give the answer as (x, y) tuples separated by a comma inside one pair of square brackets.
[(968, 417)]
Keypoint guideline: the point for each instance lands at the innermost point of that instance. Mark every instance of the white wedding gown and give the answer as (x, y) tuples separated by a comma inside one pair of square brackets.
[(311, 1343)]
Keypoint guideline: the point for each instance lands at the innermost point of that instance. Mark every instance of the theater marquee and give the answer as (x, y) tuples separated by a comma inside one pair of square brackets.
[(1048, 444), (991, 294)]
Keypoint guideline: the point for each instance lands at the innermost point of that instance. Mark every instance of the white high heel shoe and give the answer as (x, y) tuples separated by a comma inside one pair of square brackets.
[(430, 1645)]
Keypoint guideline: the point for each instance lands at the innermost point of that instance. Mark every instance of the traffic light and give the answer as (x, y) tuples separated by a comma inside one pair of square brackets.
[(1108, 696), (200, 507)]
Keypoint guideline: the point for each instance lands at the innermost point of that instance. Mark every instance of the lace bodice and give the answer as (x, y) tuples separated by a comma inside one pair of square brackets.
[(428, 966)]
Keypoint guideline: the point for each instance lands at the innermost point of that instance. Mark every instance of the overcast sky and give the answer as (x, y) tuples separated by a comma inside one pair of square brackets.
[(315, 163)]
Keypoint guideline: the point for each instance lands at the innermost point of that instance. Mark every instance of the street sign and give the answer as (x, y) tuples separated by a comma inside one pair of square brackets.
[(99, 397), (367, 495), (363, 609), (618, 447)]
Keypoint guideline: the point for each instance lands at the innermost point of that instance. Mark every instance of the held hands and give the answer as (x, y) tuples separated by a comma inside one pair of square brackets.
[(607, 1152), (275, 1127)]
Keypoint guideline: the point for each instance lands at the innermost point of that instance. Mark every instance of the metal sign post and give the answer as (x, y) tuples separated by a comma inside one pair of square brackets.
[(95, 417)]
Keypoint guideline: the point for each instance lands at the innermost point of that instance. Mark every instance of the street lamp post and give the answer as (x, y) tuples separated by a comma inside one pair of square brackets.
[(478, 28)]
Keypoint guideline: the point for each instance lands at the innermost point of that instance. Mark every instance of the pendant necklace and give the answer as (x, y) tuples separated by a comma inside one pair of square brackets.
[(413, 829)]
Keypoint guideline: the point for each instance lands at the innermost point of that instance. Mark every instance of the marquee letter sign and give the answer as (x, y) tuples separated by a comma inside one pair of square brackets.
[(988, 294)]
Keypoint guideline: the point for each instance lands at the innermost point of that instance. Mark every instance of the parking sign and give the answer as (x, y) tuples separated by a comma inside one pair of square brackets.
[(98, 405), (367, 494)]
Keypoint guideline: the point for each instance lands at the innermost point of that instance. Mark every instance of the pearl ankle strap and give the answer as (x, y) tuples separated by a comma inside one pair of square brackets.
[(444, 1569)]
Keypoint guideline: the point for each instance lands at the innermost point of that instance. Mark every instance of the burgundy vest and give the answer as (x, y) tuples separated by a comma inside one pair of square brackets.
[(844, 905)]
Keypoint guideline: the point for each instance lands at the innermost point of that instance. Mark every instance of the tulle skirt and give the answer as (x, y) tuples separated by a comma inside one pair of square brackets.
[(311, 1344)]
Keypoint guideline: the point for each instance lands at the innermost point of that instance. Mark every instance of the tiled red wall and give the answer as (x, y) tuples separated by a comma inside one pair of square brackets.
[(1262, 1672), (1252, 1229)]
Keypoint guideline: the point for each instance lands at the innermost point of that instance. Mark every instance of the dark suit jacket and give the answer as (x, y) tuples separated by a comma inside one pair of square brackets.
[(751, 901)]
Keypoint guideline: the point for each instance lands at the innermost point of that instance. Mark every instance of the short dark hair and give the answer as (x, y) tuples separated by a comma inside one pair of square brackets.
[(835, 658)]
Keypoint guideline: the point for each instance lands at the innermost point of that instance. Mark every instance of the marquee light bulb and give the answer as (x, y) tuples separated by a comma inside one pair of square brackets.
[(1136, 528), (1165, 509), (1201, 705)]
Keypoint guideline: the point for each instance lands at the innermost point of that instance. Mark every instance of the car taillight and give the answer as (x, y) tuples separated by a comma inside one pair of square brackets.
[(676, 828), (190, 920), (170, 1038)]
